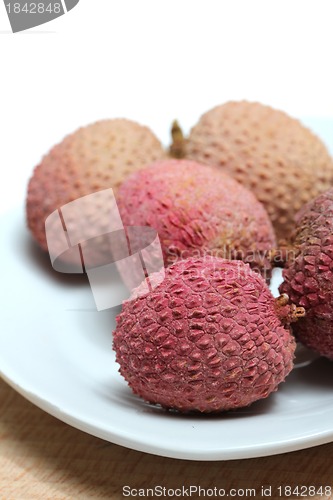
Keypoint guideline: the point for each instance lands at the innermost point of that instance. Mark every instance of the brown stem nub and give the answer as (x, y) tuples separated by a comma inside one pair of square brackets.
[(177, 148), (288, 313), (286, 252)]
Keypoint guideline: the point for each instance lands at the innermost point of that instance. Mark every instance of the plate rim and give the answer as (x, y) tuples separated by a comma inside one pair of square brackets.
[(323, 437)]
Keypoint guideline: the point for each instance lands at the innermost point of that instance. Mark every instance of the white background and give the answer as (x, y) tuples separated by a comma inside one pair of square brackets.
[(152, 61)]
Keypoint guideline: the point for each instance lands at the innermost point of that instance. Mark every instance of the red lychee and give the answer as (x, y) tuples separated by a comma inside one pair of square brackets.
[(209, 337), (308, 276)]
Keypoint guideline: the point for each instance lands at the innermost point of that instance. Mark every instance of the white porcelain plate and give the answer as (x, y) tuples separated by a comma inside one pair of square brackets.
[(56, 350)]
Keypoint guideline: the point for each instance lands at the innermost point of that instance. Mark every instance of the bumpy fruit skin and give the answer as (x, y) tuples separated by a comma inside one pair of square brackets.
[(267, 151), (208, 338), (93, 158), (308, 276), (196, 211)]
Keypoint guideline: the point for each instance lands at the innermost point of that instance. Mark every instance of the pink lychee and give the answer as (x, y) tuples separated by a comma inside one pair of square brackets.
[(198, 210)]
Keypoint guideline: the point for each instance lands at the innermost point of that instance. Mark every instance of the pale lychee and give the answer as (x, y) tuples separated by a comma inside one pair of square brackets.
[(92, 159), (267, 151)]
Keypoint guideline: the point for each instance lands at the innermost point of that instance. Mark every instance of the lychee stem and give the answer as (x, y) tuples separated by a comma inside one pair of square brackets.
[(288, 313), (282, 300), (177, 147)]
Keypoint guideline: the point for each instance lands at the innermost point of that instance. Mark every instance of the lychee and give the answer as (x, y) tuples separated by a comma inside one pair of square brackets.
[(94, 158), (196, 211), (267, 151), (209, 337), (308, 276)]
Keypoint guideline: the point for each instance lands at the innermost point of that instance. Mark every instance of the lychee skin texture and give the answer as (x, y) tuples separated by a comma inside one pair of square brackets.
[(308, 276), (267, 151), (196, 211), (206, 339), (96, 157)]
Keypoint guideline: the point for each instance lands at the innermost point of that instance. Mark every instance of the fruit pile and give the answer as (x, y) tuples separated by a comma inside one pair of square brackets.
[(249, 188)]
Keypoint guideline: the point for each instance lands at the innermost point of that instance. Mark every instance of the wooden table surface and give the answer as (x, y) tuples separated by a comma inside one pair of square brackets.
[(43, 458)]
